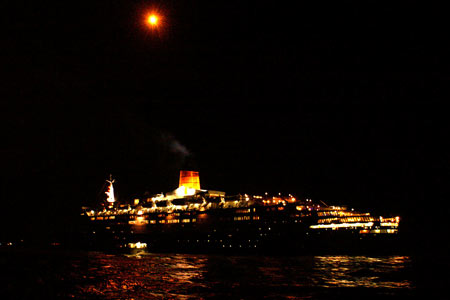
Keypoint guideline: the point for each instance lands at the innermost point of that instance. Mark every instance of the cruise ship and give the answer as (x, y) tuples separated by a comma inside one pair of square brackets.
[(194, 220)]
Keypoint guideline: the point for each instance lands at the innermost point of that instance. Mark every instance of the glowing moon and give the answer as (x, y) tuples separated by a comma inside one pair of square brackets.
[(152, 20)]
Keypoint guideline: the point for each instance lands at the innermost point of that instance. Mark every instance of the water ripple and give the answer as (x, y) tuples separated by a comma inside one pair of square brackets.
[(97, 275), (154, 276)]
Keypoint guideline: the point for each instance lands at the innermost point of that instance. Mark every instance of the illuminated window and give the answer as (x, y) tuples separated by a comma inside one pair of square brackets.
[(242, 218)]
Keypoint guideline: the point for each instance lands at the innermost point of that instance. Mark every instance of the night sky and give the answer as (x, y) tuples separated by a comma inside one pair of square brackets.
[(342, 103)]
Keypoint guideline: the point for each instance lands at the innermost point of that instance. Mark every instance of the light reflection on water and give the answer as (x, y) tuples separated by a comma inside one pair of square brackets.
[(362, 271), (141, 276), (178, 276), (94, 275)]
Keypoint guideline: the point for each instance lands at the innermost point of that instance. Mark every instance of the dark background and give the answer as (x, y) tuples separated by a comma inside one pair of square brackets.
[(342, 103)]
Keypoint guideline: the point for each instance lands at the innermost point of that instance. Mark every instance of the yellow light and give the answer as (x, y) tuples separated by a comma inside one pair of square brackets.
[(153, 20), (342, 225), (184, 191), (137, 245)]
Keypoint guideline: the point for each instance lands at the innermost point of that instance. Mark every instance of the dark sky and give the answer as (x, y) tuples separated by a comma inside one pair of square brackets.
[(341, 103)]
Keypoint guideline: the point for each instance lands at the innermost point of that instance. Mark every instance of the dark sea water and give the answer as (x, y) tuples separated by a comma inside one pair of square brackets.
[(95, 275)]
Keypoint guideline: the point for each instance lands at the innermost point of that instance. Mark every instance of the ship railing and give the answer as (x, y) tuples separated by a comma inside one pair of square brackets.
[(342, 225)]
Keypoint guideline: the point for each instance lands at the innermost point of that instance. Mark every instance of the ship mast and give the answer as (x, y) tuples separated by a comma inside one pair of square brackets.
[(110, 191)]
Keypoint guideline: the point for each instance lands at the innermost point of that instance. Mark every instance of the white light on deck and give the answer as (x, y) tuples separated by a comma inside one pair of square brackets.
[(137, 245)]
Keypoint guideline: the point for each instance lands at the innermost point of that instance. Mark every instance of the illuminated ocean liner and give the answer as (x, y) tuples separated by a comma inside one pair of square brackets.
[(191, 219)]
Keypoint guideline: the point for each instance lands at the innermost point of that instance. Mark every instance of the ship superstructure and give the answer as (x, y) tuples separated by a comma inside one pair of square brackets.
[(193, 219)]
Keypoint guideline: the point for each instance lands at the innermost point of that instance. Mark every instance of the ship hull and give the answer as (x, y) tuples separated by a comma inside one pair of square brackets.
[(253, 230)]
